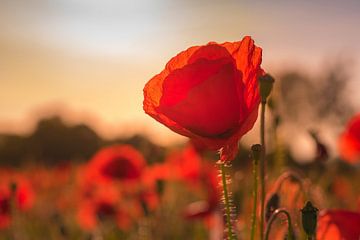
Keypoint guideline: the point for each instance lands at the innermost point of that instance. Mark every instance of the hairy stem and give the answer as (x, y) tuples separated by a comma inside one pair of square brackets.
[(255, 193), (262, 168), (230, 233)]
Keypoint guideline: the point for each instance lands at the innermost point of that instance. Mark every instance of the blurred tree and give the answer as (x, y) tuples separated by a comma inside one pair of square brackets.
[(53, 142), (316, 102), (12, 149), (317, 99)]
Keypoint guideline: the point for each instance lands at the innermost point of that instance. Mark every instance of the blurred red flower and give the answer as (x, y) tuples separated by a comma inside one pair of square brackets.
[(202, 178), (119, 162), (103, 205), (157, 172), (16, 189), (185, 164), (349, 142), (115, 185), (208, 93), (5, 216), (204, 209), (338, 225)]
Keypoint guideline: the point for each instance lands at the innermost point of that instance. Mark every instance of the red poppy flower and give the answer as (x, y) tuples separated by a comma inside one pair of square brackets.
[(22, 195), (208, 93), (91, 212), (120, 162), (157, 172), (204, 209), (185, 164), (5, 216), (349, 143), (338, 225)]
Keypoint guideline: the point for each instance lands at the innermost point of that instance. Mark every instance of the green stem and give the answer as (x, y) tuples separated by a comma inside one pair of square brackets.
[(272, 219), (255, 196), (226, 201), (262, 168)]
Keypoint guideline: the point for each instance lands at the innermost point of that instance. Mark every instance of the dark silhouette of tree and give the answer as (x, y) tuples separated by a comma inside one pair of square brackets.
[(54, 142), (12, 149)]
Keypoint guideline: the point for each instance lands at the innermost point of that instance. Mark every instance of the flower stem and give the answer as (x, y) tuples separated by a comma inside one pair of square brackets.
[(230, 233), (272, 219), (262, 168), (256, 151), (255, 189)]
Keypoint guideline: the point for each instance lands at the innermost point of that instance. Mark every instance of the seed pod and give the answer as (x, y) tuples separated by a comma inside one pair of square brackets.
[(266, 85), (309, 218), (256, 152)]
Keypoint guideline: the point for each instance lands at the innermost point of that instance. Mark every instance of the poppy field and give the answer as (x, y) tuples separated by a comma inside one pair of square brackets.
[(65, 182), (179, 120)]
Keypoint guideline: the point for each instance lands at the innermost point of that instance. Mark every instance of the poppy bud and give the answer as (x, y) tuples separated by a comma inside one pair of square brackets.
[(266, 85), (309, 218), (271, 205), (256, 151)]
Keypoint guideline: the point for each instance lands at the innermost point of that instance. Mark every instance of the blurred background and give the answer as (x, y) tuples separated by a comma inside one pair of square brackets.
[(72, 74), (87, 61)]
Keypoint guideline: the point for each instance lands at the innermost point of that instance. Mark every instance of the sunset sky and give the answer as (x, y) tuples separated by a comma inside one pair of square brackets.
[(89, 60)]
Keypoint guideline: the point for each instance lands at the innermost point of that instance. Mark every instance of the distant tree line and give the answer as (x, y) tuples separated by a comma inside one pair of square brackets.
[(54, 142)]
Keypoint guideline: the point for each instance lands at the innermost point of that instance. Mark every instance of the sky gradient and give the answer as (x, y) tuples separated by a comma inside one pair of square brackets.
[(89, 60)]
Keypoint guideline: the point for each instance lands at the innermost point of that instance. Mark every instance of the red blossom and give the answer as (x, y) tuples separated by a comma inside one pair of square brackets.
[(349, 142), (208, 93), (157, 172), (185, 164), (103, 202), (115, 185), (119, 162), (14, 188), (207, 179), (5, 217), (91, 212), (338, 225)]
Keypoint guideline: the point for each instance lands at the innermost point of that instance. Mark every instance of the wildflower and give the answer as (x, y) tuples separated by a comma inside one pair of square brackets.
[(349, 142), (338, 225), (209, 93)]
